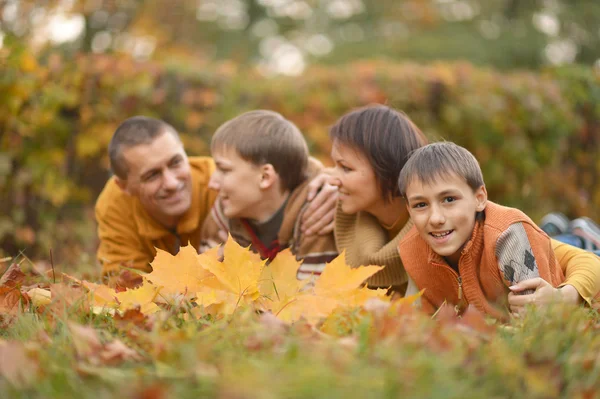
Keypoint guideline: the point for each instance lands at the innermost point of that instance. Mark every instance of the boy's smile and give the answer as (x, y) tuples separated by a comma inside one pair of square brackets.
[(443, 212)]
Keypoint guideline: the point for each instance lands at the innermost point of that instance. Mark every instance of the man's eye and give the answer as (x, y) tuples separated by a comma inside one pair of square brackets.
[(150, 177)]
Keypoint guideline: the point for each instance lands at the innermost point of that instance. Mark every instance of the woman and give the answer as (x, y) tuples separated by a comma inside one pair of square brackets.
[(370, 147)]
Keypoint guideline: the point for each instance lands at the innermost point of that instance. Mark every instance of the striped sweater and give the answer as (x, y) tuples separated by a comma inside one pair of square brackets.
[(314, 250)]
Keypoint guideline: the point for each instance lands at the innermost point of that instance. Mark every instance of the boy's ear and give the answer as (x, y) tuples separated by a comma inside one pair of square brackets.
[(268, 176), (481, 198)]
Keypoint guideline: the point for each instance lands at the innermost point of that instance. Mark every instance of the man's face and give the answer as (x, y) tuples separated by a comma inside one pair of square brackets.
[(238, 183), (443, 212), (159, 175)]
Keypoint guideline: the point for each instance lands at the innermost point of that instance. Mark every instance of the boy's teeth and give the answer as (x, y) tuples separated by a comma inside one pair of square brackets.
[(439, 235)]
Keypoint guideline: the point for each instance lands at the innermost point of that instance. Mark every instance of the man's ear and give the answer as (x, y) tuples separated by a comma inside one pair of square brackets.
[(268, 176), (122, 184), (481, 198)]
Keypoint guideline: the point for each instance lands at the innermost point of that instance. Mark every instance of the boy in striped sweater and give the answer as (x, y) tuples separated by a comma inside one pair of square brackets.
[(262, 174)]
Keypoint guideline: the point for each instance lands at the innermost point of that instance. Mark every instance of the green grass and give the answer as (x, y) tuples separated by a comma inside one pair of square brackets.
[(552, 353)]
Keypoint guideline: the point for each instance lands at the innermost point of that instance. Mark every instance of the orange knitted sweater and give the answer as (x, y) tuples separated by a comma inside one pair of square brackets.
[(505, 247)]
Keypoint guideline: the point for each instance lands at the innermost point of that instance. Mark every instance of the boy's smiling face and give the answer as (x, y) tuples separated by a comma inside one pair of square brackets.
[(443, 212), (238, 183)]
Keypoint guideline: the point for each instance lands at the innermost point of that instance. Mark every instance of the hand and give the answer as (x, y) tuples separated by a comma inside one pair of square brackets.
[(208, 243), (543, 295), (319, 216)]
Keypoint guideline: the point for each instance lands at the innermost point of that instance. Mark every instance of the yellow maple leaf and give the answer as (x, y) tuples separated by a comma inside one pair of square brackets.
[(142, 297), (278, 279), (239, 271), (305, 305), (338, 278), (179, 275), (101, 296)]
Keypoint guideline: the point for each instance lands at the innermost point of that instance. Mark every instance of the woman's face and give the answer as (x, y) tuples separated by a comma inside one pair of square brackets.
[(355, 179)]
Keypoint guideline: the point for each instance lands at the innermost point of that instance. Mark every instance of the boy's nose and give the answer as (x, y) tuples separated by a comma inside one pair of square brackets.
[(437, 217), (214, 183)]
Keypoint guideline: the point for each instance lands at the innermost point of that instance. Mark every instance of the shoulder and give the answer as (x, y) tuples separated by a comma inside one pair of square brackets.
[(500, 218), (113, 199), (410, 237), (201, 167)]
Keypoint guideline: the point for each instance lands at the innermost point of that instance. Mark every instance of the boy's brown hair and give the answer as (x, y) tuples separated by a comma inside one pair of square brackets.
[(266, 137), (385, 136), (437, 160)]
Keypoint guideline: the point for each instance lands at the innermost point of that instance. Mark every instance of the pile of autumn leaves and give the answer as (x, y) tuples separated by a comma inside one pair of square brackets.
[(203, 284)]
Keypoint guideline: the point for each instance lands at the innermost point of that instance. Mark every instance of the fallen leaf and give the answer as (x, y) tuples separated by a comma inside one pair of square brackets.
[(177, 275), (16, 364)]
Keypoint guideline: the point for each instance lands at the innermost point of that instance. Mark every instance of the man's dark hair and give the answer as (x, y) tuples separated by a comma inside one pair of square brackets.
[(134, 131), (385, 136)]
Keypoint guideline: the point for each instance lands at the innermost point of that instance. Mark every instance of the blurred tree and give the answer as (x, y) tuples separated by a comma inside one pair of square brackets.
[(282, 36)]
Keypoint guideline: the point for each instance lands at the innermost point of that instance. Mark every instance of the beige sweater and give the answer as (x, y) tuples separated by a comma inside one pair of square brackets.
[(366, 243)]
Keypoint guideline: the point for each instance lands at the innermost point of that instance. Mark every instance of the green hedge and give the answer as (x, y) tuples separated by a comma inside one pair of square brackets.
[(536, 134)]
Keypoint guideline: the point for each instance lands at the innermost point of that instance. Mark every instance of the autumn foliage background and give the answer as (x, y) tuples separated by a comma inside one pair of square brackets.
[(536, 134)]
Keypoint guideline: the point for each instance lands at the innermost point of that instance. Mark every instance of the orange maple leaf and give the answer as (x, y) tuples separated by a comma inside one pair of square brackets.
[(338, 279), (239, 271), (142, 297), (177, 276)]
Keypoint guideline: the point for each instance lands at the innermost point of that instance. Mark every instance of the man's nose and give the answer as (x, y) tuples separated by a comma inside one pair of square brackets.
[(170, 181)]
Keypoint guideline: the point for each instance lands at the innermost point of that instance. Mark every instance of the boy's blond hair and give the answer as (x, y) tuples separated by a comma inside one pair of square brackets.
[(438, 160), (266, 137)]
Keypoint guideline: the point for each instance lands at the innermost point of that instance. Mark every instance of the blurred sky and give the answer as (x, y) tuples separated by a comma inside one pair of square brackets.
[(284, 36)]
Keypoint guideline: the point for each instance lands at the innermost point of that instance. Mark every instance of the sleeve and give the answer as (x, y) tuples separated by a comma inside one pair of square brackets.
[(215, 223), (519, 260), (581, 269), (120, 245), (314, 250)]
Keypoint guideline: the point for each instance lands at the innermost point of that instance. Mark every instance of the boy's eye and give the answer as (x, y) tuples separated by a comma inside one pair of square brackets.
[(345, 168), (419, 205), (449, 199)]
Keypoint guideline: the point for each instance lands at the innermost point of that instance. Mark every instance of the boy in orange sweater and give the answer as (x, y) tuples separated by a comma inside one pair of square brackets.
[(464, 249)]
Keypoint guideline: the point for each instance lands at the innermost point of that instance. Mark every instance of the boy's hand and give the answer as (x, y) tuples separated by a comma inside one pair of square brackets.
[(543, 295), (319, 216), (208, 243)]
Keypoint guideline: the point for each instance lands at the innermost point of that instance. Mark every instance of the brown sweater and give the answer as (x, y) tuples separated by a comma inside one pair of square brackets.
[(314, 250), (366, 243), (506, 247)]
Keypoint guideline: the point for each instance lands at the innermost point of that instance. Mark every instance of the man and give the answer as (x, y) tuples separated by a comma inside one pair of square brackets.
[(159, 198)]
